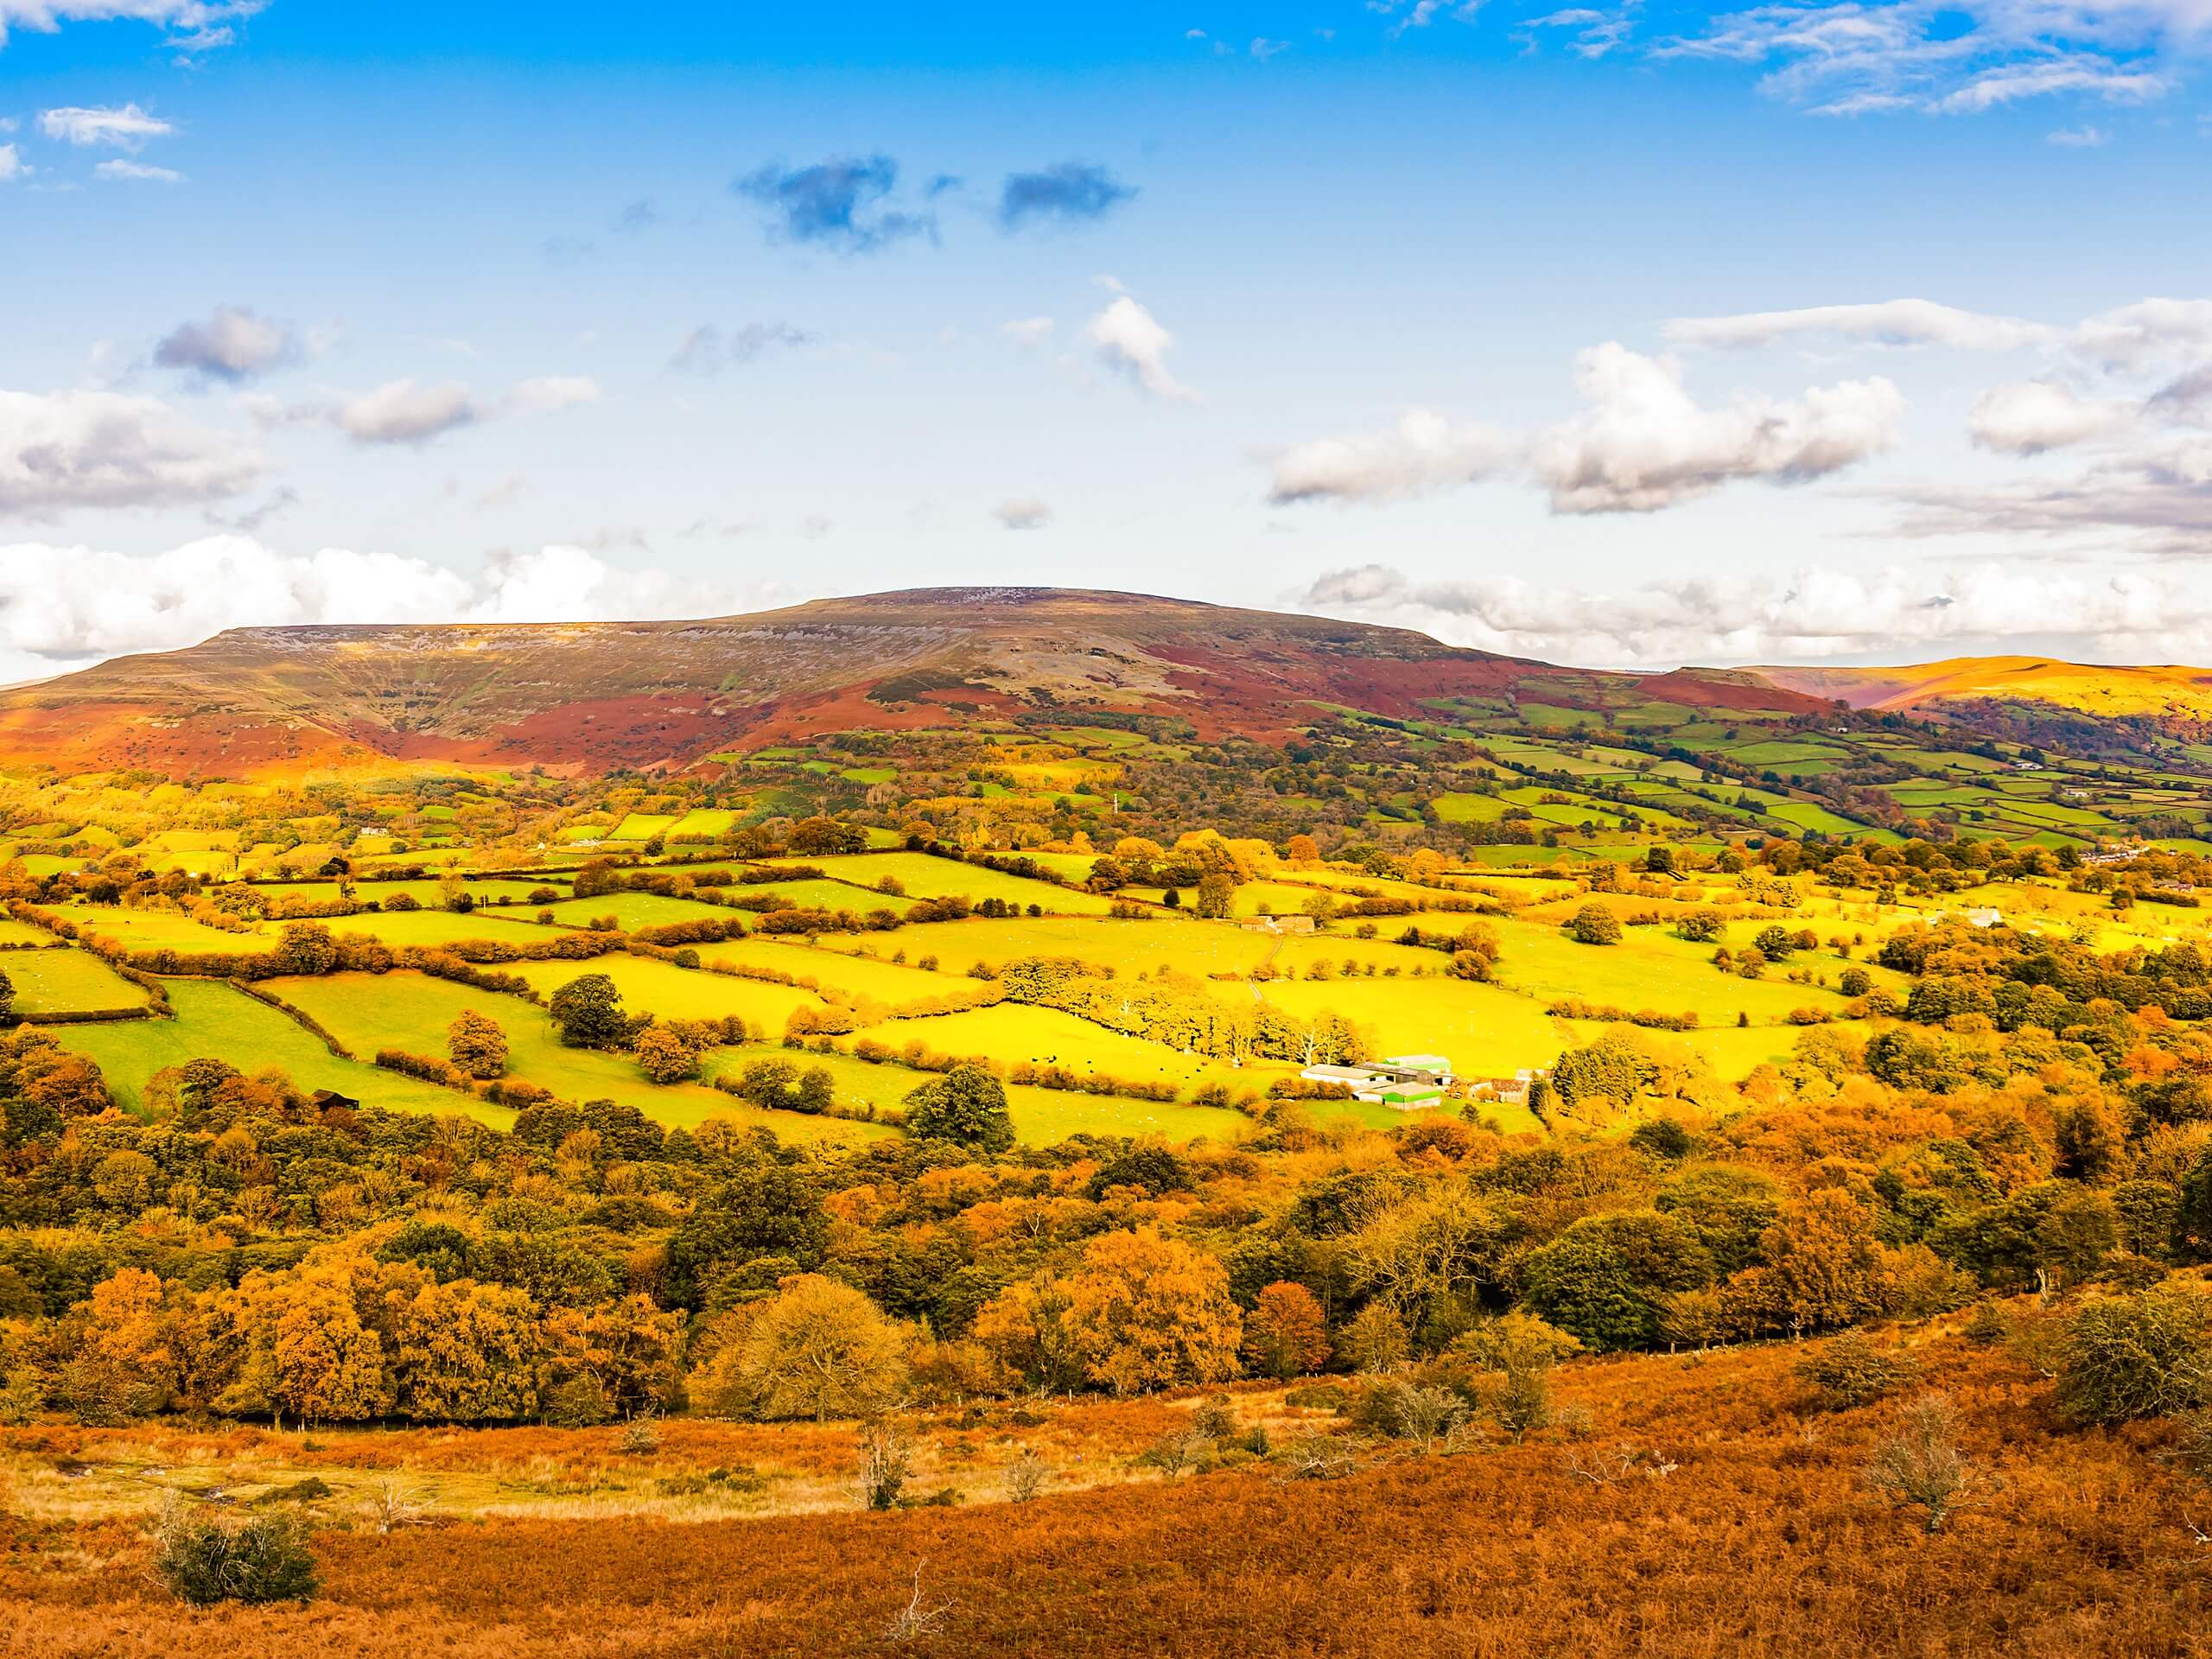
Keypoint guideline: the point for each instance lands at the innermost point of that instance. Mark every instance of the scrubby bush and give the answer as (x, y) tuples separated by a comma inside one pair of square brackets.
[(203, 1560), (1849, 1370), (2143, 1355)]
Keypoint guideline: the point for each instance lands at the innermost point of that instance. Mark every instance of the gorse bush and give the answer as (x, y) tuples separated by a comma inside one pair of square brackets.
[(204, 1561), (2145, 1355), (1849, 1370)]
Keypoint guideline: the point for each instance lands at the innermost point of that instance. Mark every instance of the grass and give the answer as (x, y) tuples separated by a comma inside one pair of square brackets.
[(1187, 946), (1010, 1032), (411, 1012), (1042, 1117), (673, 993), (67, 982), (925, 877), (439, 926), (214, 1019), (1482, 1030), (169, 930), (1651, 968), (632, 911)]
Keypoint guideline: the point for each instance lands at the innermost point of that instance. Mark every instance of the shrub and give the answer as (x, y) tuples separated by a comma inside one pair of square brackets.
[(1921, 1465), (204, 1561), (2145, 1355), (1849, 1370), (1594, 924), (887, 1459)]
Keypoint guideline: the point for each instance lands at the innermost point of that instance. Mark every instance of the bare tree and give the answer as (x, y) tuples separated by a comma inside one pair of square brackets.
[(1921, 1465), (887, 1459), (1025, 1475), (917, 1618)]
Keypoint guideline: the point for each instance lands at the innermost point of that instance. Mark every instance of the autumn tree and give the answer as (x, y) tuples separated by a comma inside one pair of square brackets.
[(1146, 1312), (817, 1349), (475, 1043), (464, 1353), (664, 1057), (1286, 1333)]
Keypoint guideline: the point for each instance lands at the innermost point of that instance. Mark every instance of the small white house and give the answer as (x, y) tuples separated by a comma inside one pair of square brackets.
[(1407, 1080)]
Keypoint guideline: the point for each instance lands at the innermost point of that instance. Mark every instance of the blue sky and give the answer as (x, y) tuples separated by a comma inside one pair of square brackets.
[(1616, 334)]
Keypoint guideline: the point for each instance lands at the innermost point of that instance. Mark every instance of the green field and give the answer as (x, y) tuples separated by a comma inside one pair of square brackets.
[(411, 1012), (67, 982), (925, 877), (213, 1020), (673, 993)]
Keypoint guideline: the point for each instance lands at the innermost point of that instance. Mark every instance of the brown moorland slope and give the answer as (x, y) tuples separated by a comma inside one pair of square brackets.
[(591, 696), (1759, 1538)]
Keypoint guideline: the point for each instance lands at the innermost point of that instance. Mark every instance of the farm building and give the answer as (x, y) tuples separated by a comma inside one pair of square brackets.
[(1403, 1080)]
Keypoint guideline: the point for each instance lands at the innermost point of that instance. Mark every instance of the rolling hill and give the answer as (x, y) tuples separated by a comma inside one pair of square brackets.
[(595, 696), (2155, 692)]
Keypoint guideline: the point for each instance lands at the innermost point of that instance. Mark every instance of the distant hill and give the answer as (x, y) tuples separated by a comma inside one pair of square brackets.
[(2164, 694), (594, 697)]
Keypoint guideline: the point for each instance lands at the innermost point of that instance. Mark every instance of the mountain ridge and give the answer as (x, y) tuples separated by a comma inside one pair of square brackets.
[(593, 696)]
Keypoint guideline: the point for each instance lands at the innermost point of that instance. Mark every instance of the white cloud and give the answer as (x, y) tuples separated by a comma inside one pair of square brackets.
[(1264, 49), (2084, 137), (101, 449), (1423, 452), (1896, 612), (232, 344), (1023, 513), (139, 172), (2039, 415), (117, 602), (1951, 57), (402, 411), (1028, 332), (408, 411), (125, 128), (1644, 443), (201, 24), (1131, 342), (551, 393), (1889, 322), (12, 165), (2145, 333)]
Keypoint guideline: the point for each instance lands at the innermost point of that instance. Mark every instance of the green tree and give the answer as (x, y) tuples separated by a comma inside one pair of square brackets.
[(966, 1106), (588, 1010), (1607, 1278)]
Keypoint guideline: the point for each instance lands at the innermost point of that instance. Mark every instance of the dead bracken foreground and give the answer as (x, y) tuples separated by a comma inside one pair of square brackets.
[(1703, 1506)]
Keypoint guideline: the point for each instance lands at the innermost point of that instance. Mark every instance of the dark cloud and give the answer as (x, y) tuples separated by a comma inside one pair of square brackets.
[(843, 204), (640, 215), (1071, 191)]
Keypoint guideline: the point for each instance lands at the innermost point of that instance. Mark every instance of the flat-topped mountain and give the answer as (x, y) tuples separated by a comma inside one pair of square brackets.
[(602, 695)]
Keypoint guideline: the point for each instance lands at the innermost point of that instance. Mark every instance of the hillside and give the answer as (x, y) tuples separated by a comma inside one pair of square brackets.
[(593, 696), (2160, 692)]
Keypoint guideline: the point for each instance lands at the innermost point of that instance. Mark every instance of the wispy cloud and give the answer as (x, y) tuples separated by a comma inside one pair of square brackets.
[(137, 172), (127, 127), (410, 412), (709, 350)]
